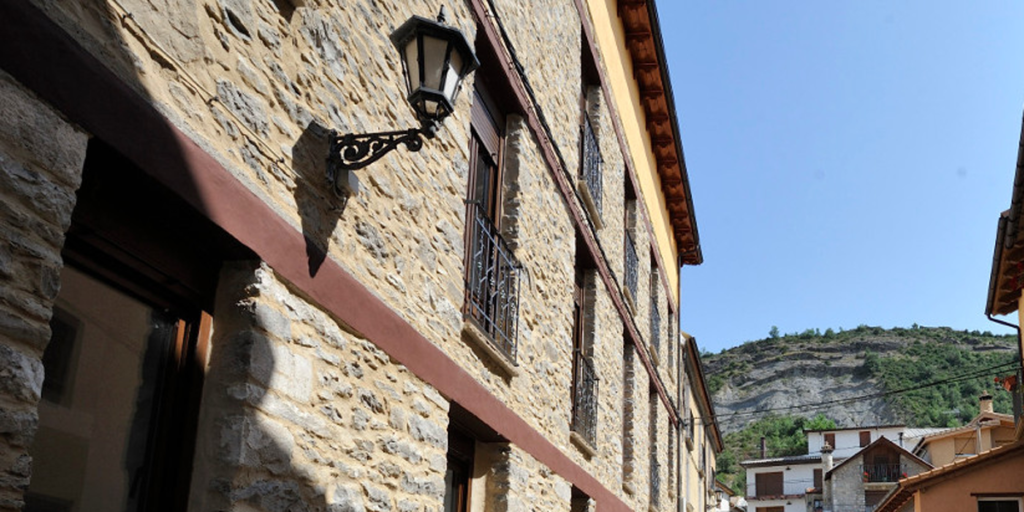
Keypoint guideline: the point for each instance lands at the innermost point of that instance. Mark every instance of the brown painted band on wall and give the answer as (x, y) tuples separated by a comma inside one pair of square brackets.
[(42, 57)]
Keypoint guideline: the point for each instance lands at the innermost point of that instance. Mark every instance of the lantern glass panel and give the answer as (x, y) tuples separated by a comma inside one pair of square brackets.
[(434, 51), (451, 82), (412, 63)]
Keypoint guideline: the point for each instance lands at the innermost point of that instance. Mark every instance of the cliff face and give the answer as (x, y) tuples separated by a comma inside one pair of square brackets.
[(792, 374)]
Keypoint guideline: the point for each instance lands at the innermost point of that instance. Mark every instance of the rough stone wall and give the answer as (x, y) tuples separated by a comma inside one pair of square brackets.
[(297, 412), (608, 362), (848, 487), (256, 84), (546, 34), (41, 158)]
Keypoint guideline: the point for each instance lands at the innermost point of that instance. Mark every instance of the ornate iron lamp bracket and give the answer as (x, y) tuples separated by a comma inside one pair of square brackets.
[(351, 152)]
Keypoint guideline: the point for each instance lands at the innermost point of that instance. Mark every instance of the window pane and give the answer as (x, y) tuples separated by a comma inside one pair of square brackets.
[(434, 51), (94, 427)]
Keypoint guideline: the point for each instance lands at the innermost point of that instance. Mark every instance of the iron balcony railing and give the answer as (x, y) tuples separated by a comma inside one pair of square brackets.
[(883, 472), (630, 265), (591, 163), (492, 283), (655, 480), (655, 325), (584, 399), (1016, 393)]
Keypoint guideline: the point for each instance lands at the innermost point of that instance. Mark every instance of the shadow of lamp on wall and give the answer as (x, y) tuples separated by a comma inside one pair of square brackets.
[(435, 59)]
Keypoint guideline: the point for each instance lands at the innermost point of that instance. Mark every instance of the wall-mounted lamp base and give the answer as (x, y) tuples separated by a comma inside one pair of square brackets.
[(346, 183), (352, 152)]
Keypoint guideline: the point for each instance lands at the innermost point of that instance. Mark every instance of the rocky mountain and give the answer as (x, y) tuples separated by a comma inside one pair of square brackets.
[(813, 372)]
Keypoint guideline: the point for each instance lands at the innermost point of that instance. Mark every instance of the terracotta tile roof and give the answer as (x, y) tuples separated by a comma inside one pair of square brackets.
[(907, 486)]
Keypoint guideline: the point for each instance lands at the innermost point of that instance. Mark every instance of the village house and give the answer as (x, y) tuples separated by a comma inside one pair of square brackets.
[(355, 255), (871, 460), (781, 484), (985, 431), (845, 442), (860, 482)]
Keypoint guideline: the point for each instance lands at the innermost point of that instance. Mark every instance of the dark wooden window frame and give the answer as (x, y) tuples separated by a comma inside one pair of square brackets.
[(459, 474), (490, 268), (113, 238)]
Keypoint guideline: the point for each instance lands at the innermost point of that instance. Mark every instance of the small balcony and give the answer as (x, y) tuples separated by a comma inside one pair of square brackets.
[(584, 398), (591, 165), (875, 473), (630, 268), (689, 424), (1017, 396), (492, 284), (655, 327), (655, 481)]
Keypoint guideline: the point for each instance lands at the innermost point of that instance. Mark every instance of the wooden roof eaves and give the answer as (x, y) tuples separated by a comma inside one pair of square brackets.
[(1009, 244), (687, 240)]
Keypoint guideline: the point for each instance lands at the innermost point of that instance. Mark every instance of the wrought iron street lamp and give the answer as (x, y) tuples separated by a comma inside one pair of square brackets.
[(435, 60)]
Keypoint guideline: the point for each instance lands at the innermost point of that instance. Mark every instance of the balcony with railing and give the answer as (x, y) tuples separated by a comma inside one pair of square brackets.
[(584, 398), (689, 423), (492, 284), (655, 327), (630, 267), (591, 165), (1017, 397), (891, 472), (655, 481)]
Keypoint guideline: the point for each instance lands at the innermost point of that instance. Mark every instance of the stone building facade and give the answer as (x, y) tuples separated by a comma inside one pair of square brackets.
[(862, 481), (192, 319)]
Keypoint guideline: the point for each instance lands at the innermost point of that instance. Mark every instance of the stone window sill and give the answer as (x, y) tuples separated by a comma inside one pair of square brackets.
[(482, 341), (627, 486), (588, 203), (629, 300), (588, 450), (654, 354)]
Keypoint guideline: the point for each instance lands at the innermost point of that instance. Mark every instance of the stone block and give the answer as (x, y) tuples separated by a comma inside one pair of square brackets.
[(21, 375), (44, 139)]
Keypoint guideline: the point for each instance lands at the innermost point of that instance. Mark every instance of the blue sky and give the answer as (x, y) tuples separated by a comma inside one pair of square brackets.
[(848, 159)]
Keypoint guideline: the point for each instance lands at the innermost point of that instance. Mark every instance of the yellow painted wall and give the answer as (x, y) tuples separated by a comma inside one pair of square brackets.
[(611, 40)]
